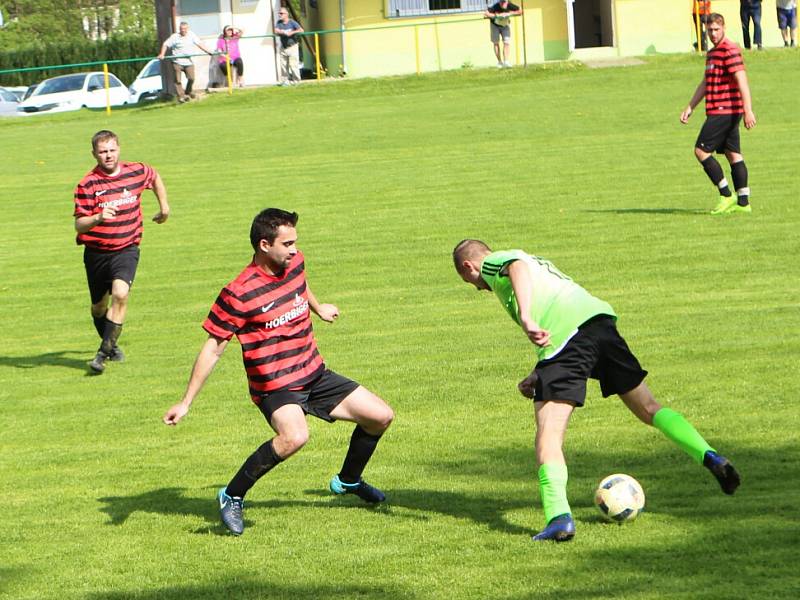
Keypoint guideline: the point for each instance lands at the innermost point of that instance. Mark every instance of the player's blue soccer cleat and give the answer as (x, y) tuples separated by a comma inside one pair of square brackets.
[(361, 489), (230, 510), (559, 529), (723, 470)]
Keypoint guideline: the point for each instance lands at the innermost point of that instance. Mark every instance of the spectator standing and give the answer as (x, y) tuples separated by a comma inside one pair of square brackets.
[(499, 28), (287, 30), (182, 45), (700, 11), (787, 21), (228, 44), (751, 9)]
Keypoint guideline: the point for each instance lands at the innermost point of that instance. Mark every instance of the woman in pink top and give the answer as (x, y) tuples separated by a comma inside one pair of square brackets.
[(228, 43)]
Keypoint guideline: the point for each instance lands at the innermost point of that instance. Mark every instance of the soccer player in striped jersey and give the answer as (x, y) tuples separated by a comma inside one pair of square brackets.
[(576, 338), (108, 219), (267, 307), (727, 94)]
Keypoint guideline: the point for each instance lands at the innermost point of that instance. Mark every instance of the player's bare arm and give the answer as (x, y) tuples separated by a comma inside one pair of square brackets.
[(326, 312), (161, 195), (206, 360), (698, 95), (744, 88), (521, 283), (84, 224)]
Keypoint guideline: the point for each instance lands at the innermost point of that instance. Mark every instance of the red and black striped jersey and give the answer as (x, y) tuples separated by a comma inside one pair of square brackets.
[(270, 317), (722, 93), (122, 191)]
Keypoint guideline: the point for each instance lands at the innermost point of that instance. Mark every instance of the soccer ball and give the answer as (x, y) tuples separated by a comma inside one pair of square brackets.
[(620, 498)]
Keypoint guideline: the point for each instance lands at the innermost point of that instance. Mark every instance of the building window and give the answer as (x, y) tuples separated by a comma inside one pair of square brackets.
[(198, 7), (417, 8)]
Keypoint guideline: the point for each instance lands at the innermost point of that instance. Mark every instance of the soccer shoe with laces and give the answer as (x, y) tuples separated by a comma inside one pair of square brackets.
[(230, 511), (97, 364), (724, 205), (361, 489), (559, 529), (723, 470)]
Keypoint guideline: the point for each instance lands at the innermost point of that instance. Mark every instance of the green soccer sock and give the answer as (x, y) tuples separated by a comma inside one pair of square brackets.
[(553, 490), (673, 425)]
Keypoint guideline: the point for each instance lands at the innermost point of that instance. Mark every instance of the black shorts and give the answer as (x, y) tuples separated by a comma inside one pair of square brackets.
[(720, 133), (318, 398), (103, 267), (597, 351)]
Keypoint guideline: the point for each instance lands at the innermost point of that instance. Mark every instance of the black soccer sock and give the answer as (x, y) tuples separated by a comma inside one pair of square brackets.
[(100, 325), (739, 176), (362, 445), (256, 466), (111, 334), (715, 174)]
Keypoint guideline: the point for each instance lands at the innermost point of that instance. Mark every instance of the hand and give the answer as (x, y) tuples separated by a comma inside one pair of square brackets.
[(161, 216), (109, 212), (527, 385), (537, 335), (328, 312), (749, 120), (687, 112), (175, 414)]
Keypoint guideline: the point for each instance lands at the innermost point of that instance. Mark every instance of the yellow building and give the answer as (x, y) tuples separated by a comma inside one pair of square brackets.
[(371, 38)]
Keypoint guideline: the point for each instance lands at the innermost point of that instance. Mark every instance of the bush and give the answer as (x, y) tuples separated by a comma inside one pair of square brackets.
[(127, 46)]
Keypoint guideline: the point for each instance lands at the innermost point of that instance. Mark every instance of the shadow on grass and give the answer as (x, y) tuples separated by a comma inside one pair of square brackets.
[(48, 359), (649, 211), (488, 511), (244, 589)]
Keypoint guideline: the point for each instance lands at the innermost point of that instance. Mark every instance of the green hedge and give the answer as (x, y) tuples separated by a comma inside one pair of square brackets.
[(80, 51)]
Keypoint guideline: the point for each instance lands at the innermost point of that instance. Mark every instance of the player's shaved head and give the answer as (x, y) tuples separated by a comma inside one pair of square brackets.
[(472, 250)]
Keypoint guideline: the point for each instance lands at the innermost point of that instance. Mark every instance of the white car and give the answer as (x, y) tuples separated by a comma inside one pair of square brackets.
[(73, 92), (147, 85), (8, 103)]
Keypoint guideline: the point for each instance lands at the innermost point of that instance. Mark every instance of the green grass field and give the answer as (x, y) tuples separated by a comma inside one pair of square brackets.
[(589, 168)]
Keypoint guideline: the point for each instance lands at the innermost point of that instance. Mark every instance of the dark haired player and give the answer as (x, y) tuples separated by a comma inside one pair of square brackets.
[(727, 94), (576, 338), (108, 219), (267, 308)]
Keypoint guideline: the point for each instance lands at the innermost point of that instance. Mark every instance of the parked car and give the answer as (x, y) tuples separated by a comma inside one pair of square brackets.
[(147, 85), (29, 91), (17, 90), (8, 103), (73, 92)]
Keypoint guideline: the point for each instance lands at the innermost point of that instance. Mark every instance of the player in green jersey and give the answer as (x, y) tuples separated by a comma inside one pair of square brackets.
[(576, 339)]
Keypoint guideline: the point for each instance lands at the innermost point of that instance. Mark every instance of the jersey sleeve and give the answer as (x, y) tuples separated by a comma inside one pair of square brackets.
[(149, 176), (494, 264), (733, 60), (84, 202), (226, 316)]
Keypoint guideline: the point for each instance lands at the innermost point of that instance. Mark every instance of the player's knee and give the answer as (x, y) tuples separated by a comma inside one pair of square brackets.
[(385, 419), (700, 155), (99, 310), (119, 298), (292, 442)]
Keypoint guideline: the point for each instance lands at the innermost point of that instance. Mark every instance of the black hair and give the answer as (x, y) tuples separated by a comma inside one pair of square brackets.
[(265, 225)]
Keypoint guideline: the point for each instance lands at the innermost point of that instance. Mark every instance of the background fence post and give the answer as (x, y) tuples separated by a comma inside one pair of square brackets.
[(416, 46), (108, 89), (228, 71), (316, 56)]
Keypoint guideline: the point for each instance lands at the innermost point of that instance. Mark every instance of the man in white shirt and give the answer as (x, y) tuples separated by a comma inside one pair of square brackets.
[(787, 21), (182, 45)]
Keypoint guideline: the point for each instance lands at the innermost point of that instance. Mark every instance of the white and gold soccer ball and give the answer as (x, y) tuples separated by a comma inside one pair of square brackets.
[(619, 498)]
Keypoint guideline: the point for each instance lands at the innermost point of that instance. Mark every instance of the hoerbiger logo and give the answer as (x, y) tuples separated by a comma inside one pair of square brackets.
[(290, 315), (125, 198)]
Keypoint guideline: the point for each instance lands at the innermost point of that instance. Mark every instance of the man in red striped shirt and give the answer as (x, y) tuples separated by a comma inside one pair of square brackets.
[(727, 94), (108, 219), (267, 307)]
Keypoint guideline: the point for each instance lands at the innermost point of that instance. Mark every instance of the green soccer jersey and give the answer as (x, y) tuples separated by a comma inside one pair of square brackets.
[(558, 304)]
